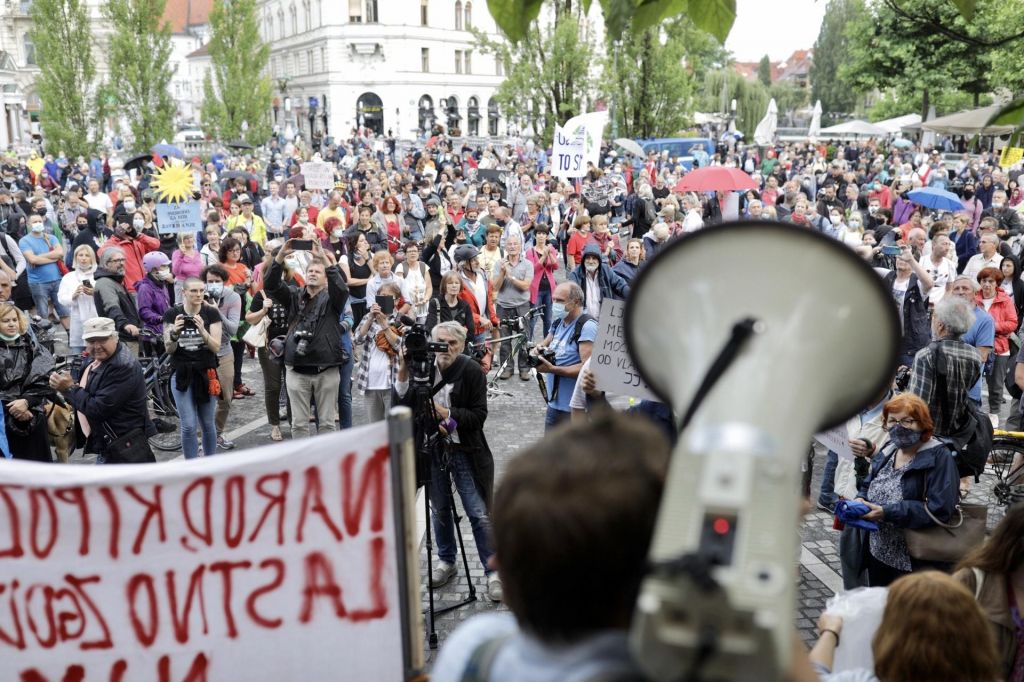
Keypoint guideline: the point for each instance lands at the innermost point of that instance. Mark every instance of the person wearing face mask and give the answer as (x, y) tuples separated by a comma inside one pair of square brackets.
[(852, 233), (598, 281), (43, 251), (1009, 222), (335, 243), (910, 472), (153, 300), (972, 206), (134, 244), (76, 293), (229, 304)]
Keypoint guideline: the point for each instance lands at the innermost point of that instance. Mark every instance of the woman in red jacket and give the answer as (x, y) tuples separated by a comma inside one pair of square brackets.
[(1001, 308), (544, 257)]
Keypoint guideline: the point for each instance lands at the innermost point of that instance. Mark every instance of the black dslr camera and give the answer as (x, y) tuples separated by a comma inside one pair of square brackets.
[(533, 360), (302, 337)]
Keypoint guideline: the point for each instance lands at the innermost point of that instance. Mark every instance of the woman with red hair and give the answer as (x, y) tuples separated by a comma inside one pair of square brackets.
[(391, 218), (912, 481), (1004, 314)]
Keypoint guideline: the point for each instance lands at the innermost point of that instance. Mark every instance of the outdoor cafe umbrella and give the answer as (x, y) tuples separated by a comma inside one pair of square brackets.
[(764, 134), (239, 145), (715, 178), (815, 129), (629, 146), (936, 199), (902, 143)]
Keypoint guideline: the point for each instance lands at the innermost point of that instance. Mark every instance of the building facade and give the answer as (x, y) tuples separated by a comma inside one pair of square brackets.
[(340, 65)]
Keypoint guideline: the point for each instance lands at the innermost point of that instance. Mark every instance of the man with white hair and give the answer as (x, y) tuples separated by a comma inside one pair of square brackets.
[(1008, 217), (755, 209)]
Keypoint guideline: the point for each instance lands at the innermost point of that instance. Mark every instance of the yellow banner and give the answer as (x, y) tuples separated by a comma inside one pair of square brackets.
[(1010, 156)]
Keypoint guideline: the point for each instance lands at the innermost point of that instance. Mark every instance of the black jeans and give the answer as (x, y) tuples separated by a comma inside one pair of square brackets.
[(505, 314)]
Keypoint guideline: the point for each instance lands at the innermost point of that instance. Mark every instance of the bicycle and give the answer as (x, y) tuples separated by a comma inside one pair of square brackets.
[(1007, 461), (157, 372)]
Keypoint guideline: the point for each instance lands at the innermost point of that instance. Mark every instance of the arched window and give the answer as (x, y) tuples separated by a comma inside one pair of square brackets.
[(458, 15), (280, 23), (473, 116), (426, 113), (451, 112), (30, 50), (492, 117), (307, 18), (370, 112), (295, 19), (468, 20)]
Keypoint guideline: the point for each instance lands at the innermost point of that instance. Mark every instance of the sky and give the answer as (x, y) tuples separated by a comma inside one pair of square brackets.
[(774, 28)]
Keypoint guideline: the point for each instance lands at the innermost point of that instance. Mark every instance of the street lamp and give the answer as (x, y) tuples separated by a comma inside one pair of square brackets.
[(615, 96)]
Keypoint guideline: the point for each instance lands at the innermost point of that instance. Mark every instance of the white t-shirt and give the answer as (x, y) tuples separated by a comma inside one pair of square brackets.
[(99, 201), (942, 275)]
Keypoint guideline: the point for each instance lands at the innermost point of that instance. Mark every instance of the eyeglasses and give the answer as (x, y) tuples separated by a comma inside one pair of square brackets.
[(906, 422), (116, 260)]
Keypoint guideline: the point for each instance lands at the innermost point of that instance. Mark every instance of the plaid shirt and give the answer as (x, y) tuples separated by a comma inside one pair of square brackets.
[(368, 344), (963, 368)]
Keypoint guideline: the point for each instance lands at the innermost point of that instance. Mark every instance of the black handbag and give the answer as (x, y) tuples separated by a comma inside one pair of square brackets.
[(131, 448)]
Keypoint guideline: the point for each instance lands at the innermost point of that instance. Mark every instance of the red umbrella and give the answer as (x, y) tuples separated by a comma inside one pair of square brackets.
[(714, 178)]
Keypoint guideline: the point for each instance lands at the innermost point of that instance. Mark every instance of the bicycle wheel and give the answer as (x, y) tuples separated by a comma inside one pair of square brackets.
[(166, 442), (1009, 486)]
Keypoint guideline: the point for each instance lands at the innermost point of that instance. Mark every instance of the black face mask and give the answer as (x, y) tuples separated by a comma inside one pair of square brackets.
[(41, 212), (968, 193)]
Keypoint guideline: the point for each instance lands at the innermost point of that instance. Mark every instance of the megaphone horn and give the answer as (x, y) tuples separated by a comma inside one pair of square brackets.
[(760, 334)]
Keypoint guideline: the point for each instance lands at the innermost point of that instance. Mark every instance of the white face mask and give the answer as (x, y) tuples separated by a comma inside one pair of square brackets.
[(139, 223), (291, 263), (591, 266), (338, 234), (129, 206)]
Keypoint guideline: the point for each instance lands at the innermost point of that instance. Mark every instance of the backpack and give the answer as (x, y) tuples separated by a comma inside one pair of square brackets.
[(972, 441), (580, 321), (649, 211)]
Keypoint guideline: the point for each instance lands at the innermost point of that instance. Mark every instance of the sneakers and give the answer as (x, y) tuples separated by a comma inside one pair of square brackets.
[(826, 508), (507, 374), (442, 573), (275, 433), (525, 375), (225, 444), (494, 589), (163, 426), (994, 418)]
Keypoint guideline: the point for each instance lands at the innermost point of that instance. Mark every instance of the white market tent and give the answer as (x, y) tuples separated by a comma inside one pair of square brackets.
[(852, 128), (894, 125), (974, 122)]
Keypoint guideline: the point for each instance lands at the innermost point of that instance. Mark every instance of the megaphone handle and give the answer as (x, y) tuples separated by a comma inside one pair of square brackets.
[(741, 332)]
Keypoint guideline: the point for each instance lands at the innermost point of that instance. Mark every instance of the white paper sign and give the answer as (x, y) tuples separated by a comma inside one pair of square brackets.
[(183, 217), (593, 124), (318, 175), (837, 440), (280, 563), (609, 361), (567, 154)]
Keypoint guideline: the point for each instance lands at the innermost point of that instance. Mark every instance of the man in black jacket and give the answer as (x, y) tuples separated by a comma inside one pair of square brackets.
[(111, 397), (312, 349), (112, 298), (459, 396)]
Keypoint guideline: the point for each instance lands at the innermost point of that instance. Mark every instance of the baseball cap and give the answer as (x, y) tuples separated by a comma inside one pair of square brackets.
[(98, 328), (244, 199)]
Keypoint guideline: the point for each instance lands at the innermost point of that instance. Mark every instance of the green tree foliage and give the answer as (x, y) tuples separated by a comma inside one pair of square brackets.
[(764, 71), (514, 17), (651, 86), (238, 91), (71, 115), (893, 104), (547, 80), (928, 46), (832, 49), (789, 96), (722, 86), (139, 53)]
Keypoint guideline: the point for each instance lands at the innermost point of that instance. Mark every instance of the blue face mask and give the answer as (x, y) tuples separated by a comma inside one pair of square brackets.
[(902, 437), (558, 311)]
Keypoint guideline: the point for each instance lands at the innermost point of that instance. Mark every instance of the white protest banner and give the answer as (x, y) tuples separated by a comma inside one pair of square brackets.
[(179, 217), (567, 155), (287, 562), (593, 124), (318, 175), (609, 361), (837, 440)]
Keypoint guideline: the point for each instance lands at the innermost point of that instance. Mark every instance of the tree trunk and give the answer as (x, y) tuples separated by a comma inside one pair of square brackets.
[(643, 103), (925, 105)]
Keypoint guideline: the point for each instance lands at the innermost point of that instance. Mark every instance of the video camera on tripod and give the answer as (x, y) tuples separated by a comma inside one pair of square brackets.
[(419, 350)]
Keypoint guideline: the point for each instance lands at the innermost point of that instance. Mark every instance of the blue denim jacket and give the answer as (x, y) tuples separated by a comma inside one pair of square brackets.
[(933, 469)]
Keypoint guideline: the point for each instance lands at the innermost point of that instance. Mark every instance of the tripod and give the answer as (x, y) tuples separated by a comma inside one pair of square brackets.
[(519, 343), (432, 450)]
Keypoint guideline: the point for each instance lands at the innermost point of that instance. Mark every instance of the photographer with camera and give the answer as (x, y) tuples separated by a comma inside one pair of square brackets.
[(458, 389), (379, 337), (312, 349), (561, 355), (192, 336)]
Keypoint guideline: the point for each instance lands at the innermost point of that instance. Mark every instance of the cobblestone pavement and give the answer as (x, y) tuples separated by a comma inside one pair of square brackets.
[(516, 420)]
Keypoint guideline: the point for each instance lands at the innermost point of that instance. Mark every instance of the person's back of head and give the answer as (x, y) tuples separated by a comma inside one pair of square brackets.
[(573, 520), (932, 629)]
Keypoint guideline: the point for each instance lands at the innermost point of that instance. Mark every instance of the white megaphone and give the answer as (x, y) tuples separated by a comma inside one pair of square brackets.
[(759, 334)]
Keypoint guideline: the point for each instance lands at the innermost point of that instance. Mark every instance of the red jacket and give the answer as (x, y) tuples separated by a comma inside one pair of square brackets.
[(467, 295), (134, 250), (1005, 316)]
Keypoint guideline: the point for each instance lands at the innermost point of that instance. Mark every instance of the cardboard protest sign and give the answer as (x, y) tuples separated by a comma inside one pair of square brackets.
[(288, 562), (837, 440), (567, 154), (609, 360), (318, 175), (183, 217)]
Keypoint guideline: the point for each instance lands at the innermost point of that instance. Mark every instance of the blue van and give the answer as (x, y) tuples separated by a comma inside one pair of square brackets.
[(682, 148)]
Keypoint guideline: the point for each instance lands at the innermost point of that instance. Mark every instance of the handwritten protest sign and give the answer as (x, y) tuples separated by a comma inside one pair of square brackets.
[(609, 360), (318, 175), (288, 562), (179, 217), (567, 154), (837, 441), (592, 123), (1010, 156)]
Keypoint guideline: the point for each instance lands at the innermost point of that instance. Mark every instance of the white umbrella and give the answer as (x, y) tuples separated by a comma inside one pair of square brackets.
[(815, 128), (764, 134), (855, 127), (629, 146)]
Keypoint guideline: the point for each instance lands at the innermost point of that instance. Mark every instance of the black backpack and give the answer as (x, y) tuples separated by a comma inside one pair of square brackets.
[(971, 439)]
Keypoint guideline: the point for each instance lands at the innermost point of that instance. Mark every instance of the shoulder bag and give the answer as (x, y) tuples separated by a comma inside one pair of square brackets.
[(973, 439), (948, 542), (132, 448)]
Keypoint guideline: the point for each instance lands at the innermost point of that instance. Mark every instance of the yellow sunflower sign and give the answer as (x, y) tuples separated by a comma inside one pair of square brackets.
[(176, 211)]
